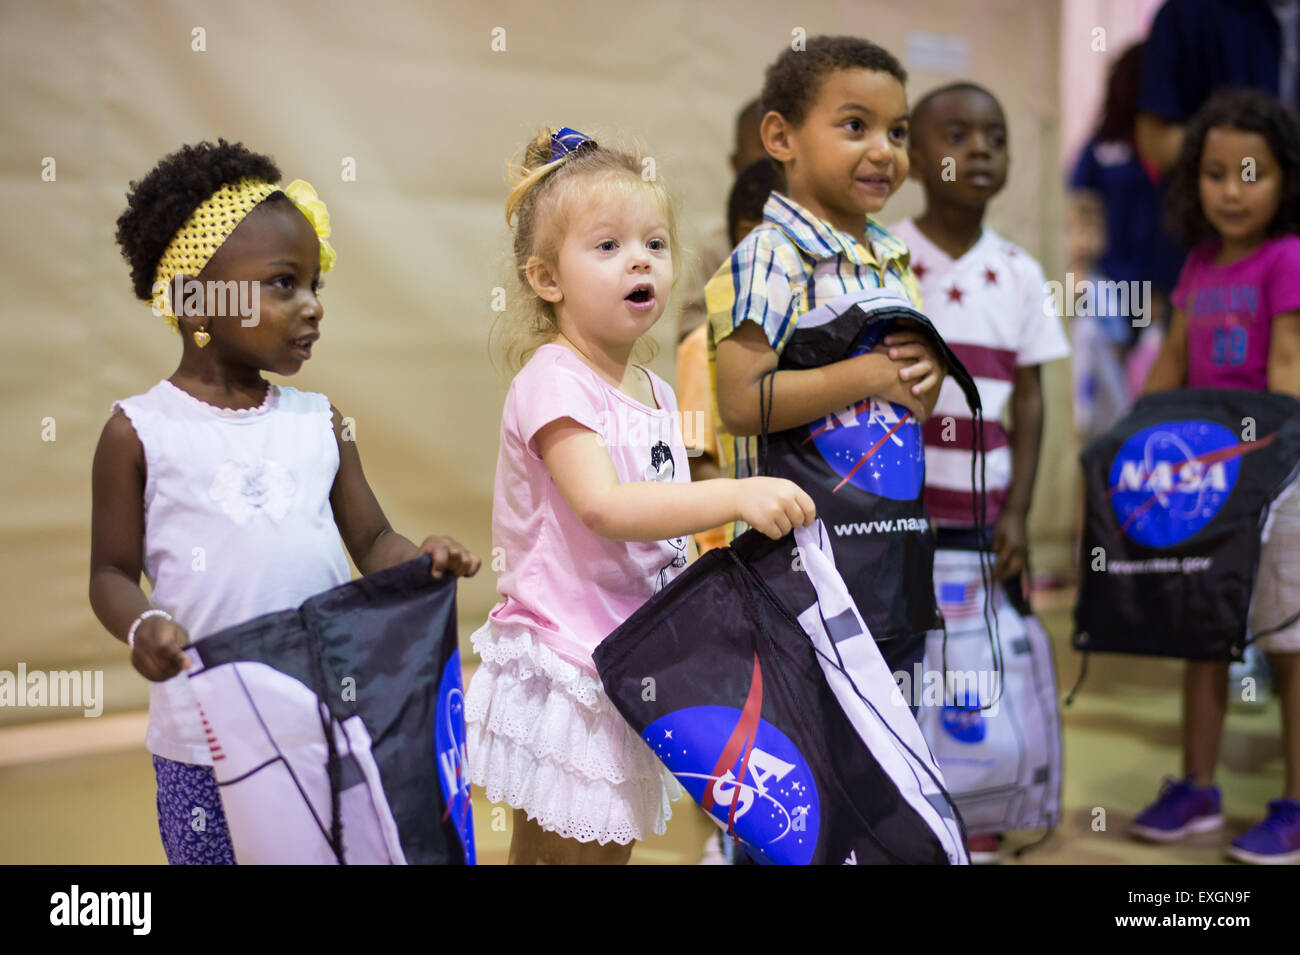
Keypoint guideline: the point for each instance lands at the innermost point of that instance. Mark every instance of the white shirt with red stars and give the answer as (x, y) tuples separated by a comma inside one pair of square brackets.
[(992, 307)]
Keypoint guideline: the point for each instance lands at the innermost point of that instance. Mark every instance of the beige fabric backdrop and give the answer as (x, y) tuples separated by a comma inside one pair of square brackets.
[(415, 94)]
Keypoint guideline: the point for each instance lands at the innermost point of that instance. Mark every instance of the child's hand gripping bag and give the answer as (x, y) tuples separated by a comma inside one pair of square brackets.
[(864, 465), (754, 679)]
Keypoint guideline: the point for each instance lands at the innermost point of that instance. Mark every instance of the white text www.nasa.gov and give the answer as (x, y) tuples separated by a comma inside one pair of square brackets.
[(1202, 922), (883, 527)]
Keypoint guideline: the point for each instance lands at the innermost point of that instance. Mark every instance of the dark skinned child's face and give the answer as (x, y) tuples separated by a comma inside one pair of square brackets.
[(850, 153), (277, 247), (959, 149)]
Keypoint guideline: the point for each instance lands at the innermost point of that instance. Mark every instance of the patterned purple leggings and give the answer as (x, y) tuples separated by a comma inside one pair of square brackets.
[(190, 818)]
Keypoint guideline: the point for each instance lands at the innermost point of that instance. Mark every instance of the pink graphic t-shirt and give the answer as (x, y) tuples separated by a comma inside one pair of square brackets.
[(566, 583), (1230, 310)]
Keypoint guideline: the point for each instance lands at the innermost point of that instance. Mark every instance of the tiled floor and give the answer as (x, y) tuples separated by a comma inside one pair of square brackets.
[(83, 792)]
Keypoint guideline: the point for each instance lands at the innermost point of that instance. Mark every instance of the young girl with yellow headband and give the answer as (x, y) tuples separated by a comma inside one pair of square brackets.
[(592, 506), (231, 493)]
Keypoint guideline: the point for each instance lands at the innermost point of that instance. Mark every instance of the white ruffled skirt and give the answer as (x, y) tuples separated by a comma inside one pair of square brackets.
[(544, 738)]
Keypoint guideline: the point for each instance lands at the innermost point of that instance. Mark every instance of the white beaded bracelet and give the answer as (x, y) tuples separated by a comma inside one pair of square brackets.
[(155, 612)]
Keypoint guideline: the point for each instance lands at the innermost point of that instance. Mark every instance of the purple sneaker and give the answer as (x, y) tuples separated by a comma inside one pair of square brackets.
[(1181, 809), (1275, 841)]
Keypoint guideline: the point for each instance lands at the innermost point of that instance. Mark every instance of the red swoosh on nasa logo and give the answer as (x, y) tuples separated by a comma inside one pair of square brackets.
[(874, 448), (860, 406), (741, 744), (1223, 454), (1213, 457)]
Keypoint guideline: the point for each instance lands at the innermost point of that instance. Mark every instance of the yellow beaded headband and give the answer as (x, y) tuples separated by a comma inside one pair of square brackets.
[(210, 225)]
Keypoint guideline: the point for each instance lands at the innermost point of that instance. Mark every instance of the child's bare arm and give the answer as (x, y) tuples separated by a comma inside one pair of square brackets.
[(1010, 535), (369, 538), (1170, 367), (1284, 354), (1026, 436), (116, 552), (745, 356), (649, 510)]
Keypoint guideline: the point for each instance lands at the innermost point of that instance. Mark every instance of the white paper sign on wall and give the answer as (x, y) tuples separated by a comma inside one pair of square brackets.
[(938, 52)]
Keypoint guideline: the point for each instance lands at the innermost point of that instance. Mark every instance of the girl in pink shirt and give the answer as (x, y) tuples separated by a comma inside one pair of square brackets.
[(592, 506), (1235, 195)]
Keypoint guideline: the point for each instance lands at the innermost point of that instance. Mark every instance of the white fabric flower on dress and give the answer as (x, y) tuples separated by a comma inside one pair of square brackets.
[(244, 490)]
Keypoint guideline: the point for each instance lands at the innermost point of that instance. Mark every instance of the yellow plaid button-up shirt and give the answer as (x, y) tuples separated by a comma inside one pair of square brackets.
[(791, 263)]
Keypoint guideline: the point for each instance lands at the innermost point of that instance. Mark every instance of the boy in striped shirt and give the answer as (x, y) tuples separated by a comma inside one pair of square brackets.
[(988, 299), (835, 118)]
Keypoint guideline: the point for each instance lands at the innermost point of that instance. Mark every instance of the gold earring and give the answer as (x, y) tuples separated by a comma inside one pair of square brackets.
[(201, 338)]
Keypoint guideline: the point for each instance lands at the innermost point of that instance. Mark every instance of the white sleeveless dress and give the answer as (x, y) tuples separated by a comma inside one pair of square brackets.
[(237, 523)]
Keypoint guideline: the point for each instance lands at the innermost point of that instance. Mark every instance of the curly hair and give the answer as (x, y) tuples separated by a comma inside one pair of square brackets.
[(158, 205), (1249, 111), (794, 78), (542, 199)]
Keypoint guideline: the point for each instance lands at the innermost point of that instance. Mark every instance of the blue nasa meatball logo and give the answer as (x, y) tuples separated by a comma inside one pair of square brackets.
[(452, 754), (962, 719), (1168, 481), (749, 778), (875, 445)]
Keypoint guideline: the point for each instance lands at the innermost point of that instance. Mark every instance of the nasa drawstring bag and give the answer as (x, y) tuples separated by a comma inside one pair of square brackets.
[(1177, 499), (864, 466), (755, 681), (994, 728), (337, 729)]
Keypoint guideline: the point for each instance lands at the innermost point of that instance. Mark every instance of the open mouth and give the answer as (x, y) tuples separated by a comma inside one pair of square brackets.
[(641, 295), (303, 345)]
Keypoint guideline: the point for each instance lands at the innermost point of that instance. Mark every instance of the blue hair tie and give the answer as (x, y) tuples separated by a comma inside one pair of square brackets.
[(566, 140)]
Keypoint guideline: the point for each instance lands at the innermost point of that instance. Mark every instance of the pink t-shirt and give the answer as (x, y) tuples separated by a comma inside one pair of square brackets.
[(566, 583), (1230, 310)]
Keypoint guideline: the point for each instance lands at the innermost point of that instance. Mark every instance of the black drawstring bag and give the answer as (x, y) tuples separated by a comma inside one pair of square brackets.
[(753, 679), (337, 729), (1177, 494), (864, 467)]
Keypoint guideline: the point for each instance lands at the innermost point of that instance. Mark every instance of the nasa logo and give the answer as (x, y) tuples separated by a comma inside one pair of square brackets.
[(874, 445), (1168, 481), (963, 720), (765, 792), (453, 755)]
